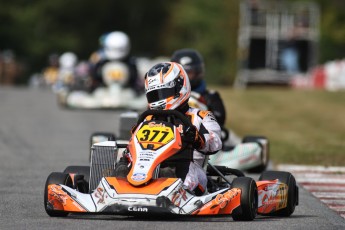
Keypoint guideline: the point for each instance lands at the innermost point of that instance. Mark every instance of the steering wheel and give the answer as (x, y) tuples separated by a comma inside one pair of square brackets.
[(166, 113)]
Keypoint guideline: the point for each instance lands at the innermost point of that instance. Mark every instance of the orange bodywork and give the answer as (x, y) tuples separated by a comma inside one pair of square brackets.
[(174, 148), (271, 200), (223, 203), (60, 200), (122, 186)]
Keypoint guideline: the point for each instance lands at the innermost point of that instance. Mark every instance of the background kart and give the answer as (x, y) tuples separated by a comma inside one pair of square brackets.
[(114, 95), (251, 153), (94, 189)]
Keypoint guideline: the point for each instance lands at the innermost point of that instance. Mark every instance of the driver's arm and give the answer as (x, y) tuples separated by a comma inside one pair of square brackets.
[(211, 132)]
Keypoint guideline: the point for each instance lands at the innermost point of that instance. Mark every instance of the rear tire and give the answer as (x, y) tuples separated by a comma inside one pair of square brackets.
[(264, 153), (249, 199), (56, 178), (289, 179)]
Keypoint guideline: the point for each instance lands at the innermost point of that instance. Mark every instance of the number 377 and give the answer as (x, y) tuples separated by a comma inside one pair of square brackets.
[(154, 135)]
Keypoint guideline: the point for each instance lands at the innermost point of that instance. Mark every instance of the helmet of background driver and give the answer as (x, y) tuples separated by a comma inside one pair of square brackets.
[(68, 60), (167, 86), (116, 45), (193, 63)]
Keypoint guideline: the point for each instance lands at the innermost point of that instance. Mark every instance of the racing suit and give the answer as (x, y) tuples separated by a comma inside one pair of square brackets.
[(210, 131), (213, 101)]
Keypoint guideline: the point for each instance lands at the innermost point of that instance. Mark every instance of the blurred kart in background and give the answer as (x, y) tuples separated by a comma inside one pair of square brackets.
[(114, 95), (96, 189)]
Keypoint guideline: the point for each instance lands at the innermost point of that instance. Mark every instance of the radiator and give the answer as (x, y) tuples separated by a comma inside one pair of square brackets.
[(103, 160)]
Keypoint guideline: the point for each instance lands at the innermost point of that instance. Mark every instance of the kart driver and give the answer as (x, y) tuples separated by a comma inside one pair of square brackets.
[(115, 46), (167, 87), (193, 63)]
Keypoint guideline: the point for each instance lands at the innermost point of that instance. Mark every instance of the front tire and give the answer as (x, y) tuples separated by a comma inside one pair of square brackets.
[(81, 183), (289, 180), (56, 178), (249, 199)]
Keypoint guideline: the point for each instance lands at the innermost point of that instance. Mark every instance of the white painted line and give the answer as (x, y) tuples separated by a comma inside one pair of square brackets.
[(324, 188), (320, 180), (333, 202), (325, 183), (319, 175), (296, 168), (337, 208), (329, 195)]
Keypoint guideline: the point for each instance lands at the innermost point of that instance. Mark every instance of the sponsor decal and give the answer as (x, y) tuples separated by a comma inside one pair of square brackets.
[(157, 87), (58, 194), (154, 124), (151, 80), (146, 156), (139, 176), (211, 116), (223, 199), (144, 159), (101, 195), (273, 195), (178, 196), (137, 209)]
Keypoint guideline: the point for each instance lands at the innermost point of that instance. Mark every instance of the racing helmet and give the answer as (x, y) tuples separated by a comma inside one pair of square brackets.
[(116, 45), (167, 86), (193, 63), (68, 60)]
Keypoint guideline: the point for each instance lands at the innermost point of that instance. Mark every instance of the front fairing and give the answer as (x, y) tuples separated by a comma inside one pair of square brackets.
[(151, 144), (163, 195)]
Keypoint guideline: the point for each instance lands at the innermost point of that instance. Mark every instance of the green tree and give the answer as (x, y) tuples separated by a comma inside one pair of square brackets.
[(37, 28), (210, 27), (332, 39)]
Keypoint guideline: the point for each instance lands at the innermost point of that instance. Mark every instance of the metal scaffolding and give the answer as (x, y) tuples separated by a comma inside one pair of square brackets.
[(267, 28)]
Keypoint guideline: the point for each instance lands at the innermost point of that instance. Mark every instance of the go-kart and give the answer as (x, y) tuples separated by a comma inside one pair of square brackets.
[(114, 95), (156, 144)]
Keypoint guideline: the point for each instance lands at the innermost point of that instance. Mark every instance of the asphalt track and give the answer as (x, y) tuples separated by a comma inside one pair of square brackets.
[(36, 138)]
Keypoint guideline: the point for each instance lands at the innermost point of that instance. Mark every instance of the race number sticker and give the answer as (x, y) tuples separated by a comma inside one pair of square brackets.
[(115, 72), (153, 136)]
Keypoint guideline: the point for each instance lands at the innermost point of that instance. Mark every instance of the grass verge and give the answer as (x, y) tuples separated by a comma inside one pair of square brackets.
[(303, 126)]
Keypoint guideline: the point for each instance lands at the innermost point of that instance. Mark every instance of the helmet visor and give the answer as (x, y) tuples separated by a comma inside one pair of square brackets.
[(160, 94)]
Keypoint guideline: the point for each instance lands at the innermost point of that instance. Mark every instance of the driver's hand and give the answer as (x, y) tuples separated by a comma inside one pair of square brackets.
[(134, 127), (193, 137)]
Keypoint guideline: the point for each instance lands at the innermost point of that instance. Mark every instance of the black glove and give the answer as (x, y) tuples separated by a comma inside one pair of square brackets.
[(193, 137), (134, 127)]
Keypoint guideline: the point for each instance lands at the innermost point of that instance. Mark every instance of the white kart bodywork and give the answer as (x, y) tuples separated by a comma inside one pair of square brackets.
[(113, 96), (243, 156), (105, 196)]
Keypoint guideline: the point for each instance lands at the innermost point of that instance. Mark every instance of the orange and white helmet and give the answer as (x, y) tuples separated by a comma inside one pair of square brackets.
[(167, 86)]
